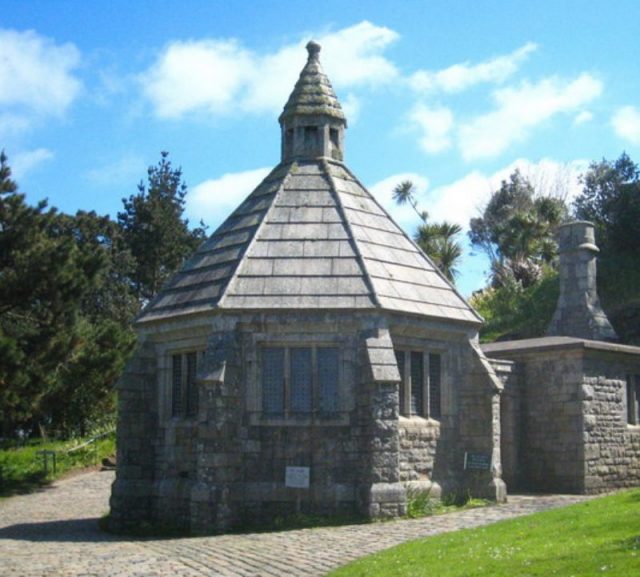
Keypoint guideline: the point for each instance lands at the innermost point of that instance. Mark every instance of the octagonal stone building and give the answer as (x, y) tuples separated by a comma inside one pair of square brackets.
[(309, 356)]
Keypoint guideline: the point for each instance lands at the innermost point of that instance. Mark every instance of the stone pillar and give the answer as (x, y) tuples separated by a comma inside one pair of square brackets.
[(218, 445), (382, 493), (131, 494), (479, 431), (578, 312)]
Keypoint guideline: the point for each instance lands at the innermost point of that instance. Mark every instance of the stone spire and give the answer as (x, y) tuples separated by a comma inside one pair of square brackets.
[(578, 312), (312, 120)]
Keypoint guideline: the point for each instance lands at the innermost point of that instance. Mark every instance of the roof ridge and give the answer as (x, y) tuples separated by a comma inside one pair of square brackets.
[(420, 251), (352, 237), (234, 275)]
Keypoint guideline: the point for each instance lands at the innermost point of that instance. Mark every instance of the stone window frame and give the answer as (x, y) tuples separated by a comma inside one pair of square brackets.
[(315, 408), (405, 405), (189, 405), (633, 400), (257, 415)]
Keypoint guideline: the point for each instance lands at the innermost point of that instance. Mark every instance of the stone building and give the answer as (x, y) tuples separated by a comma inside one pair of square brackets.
[(571, 401), (308, 356)]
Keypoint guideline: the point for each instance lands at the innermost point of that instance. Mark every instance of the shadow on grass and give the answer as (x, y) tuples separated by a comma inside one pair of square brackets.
[(31, 483)]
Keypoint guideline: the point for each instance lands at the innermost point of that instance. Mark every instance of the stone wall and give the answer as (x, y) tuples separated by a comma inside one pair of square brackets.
[(573, 434), (511, 417), (131, 497), (552, 450), (226, 466), (611, 445), (418, 444)]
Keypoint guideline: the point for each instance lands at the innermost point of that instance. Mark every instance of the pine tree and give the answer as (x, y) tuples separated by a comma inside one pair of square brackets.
[(43, 277), (154, 228)]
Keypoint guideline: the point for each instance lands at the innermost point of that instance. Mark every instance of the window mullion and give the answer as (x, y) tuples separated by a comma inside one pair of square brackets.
[(426, 388), (183, 385), (406, 379), (287, 382), (315, 394)]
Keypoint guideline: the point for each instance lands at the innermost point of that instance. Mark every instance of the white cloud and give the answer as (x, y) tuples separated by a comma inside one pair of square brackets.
[(626, 124), (127, 170), (213, 200), (220, 77), (435, 124), (12, 124), (404, 215), (466, 197), (351, 107), (197, 75), (462, 76), (36, 76), (24, 162), (519, 110), (353, 56), (583, 117)]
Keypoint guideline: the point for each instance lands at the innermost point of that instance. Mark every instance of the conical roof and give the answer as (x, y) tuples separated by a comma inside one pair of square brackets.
[(310, 236), (313, 93)]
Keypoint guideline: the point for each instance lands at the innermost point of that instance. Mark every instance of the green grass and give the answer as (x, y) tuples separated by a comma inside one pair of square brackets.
[(599, 537), (22, 471)]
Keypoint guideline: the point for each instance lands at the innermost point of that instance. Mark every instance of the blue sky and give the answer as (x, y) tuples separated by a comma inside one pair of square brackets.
[(453, 95)]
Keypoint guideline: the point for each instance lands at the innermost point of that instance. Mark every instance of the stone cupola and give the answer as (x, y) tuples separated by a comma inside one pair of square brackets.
[(578, 312), (312, 121)]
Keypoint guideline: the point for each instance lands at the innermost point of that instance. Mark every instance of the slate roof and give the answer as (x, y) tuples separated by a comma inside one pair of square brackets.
[(310, 236)]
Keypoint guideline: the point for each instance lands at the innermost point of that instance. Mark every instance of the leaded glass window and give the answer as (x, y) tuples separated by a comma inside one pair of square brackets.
[(328, 379), (300, 380), (184, 386), (633, 399), (403, 381), (192, 389), (273, 380), (420, 396), (176, 385), (417, 375), (435, 384)]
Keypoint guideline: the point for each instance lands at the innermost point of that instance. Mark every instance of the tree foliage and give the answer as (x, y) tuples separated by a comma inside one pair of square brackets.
[(516, 231), (611, 200), (70, 286), (437, 239), (44, 276), (154, 229), (512, 311)]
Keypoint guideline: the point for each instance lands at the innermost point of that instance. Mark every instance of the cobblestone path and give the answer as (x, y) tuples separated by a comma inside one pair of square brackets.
[(54, 533)]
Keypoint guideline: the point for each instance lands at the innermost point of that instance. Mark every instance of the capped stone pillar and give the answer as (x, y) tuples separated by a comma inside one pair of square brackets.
[(578, 312)]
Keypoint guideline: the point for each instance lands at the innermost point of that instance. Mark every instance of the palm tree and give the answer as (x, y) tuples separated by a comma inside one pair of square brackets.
[(436, 239)]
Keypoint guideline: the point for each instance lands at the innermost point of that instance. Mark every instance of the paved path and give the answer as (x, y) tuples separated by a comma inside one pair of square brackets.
[(53, 533)]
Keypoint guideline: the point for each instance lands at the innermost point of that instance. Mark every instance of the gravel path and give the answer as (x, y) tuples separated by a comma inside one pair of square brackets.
[(53, 533)]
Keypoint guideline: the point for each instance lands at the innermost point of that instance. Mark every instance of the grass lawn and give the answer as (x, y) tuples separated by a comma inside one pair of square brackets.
[(599, 537), (22, 470)]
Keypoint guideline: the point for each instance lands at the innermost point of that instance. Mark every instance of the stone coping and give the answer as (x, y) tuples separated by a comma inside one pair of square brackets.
[(557, 343)]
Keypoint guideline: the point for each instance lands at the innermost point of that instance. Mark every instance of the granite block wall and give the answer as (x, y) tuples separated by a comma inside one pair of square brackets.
[(611, 445)]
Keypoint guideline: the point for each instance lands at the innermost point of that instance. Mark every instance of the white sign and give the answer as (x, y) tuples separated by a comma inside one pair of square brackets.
[(297, 477)]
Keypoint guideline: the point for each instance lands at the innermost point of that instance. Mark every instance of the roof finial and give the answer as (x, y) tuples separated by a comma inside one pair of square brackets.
[(313, 48)]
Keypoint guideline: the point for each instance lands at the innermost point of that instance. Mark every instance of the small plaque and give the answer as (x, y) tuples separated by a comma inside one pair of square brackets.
[(477, 461), (297, 477)]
